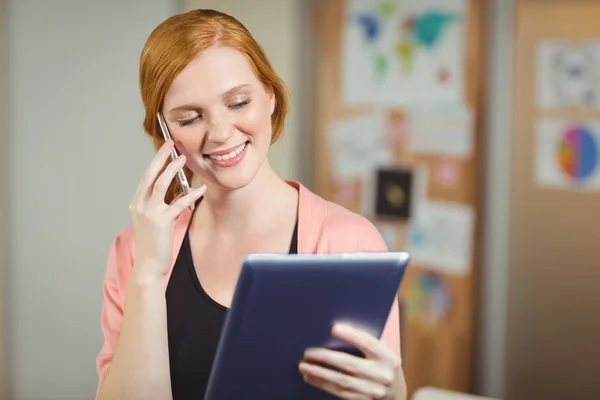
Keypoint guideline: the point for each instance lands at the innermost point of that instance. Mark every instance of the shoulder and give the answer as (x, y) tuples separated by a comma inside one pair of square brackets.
[(338, 229), (349, 231)]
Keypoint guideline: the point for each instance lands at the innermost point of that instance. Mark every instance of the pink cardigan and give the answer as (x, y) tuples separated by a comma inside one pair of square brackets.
[(323, 227)]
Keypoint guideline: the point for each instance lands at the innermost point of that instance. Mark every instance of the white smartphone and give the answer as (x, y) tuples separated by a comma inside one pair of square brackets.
[(185, 186)]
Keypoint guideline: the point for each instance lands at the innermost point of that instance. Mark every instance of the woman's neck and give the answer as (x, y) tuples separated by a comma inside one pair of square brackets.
[(247, 209)]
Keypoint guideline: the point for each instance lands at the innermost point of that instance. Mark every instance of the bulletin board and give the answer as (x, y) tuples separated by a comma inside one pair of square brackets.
[(416, 144)]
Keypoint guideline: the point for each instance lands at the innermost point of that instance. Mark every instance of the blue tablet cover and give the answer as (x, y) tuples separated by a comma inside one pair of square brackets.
[(284, 304)]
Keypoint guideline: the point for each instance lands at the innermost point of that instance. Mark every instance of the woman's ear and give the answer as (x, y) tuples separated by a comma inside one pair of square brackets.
[(272, 101)]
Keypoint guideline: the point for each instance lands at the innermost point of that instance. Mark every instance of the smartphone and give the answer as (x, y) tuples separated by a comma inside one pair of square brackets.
[(185, 186)]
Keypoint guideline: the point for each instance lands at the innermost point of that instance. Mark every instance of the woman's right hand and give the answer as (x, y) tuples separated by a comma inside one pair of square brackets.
[(153, 219)]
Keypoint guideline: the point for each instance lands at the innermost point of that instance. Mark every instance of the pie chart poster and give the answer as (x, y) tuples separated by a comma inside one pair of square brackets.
[(568, 154)]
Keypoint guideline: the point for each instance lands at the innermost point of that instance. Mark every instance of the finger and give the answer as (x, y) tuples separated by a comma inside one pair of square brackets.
[(184, 202), (165, 178), (154, 168), (340, 384), (333, 389), (368, 344), (357, 366)]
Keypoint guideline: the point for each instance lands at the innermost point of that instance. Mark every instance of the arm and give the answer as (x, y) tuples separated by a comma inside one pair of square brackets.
[(134, 361)]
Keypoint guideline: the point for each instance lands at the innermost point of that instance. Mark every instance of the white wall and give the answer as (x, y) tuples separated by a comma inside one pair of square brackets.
[(76, 152), (3, 152)]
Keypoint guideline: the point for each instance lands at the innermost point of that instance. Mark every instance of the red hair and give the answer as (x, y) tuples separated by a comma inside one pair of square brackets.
[(176, 42)]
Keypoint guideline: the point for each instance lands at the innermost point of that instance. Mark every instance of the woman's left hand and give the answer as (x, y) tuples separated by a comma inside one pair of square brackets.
[(377, 376)]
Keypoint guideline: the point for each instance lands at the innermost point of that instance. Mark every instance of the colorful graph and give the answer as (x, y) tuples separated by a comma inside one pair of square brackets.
[(578, 153)]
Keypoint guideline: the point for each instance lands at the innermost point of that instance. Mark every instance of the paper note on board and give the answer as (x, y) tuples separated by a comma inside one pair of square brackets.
[(568, 74), (440, 236), (441, 130), (567, 155), (398, 52), (358, 145), (428, 297), (371, 193)]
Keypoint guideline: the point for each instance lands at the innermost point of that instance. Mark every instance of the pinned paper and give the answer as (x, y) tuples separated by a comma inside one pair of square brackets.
[(441, 130), (568, 74), (440, 236), (391, 192), (358, 145), (446, 173), (428, 297), (398, 52), (396, 131), (568, 154), (394, 193)]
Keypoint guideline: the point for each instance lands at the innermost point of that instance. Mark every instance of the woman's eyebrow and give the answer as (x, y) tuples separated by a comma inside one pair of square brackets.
[(236, 89), (195, 106), (186, 107)]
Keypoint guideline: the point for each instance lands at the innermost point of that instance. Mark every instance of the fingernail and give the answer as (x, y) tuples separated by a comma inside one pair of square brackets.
[(201, 189), (310, 351), (340, 328), (182, 158)]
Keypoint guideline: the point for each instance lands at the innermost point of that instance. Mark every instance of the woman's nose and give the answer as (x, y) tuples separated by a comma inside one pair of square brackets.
[(220, 130)]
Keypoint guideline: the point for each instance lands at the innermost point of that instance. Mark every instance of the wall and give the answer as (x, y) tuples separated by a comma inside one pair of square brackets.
[(3, 170), (282, 29), (491, 346), (76, 152)]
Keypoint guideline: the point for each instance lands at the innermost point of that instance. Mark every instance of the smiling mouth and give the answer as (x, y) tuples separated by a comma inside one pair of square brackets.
[(224, 157)]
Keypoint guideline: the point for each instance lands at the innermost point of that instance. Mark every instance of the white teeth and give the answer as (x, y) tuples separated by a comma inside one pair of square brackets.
[(232, 154)]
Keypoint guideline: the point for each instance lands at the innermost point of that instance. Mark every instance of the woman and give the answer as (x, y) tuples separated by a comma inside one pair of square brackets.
[(225, 106)]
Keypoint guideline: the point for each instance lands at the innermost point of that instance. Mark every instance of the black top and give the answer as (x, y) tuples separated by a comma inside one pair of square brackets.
[(194, 322)]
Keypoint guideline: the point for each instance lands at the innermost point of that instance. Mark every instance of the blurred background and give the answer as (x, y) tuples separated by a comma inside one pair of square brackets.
[(466, 130)]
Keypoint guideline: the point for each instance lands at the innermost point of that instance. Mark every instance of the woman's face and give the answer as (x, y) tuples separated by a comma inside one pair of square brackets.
[(219, 115)]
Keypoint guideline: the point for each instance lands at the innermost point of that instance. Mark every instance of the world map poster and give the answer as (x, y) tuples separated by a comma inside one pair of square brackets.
[(403, 52)]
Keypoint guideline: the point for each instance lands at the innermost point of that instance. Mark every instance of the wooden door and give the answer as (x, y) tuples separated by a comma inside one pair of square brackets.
[(553, 327)]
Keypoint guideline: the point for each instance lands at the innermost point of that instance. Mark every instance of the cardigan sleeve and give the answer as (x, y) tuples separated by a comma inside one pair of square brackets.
[(119, 263), (351, 232), (370, 240)]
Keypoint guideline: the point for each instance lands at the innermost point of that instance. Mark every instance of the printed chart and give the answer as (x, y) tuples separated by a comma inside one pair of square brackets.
[(567, 154)]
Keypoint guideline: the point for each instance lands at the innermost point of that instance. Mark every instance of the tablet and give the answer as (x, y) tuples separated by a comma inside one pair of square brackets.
[(284, 304)]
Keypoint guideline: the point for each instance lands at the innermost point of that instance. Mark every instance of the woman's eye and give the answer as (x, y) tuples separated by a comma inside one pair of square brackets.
[(240, 104), (185, 122)]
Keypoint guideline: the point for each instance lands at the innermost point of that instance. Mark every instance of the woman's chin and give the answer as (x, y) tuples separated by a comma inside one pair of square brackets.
[(230, 179), (222, 177)]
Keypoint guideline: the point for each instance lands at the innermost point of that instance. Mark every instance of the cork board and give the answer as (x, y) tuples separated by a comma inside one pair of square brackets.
[(439, 352)]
